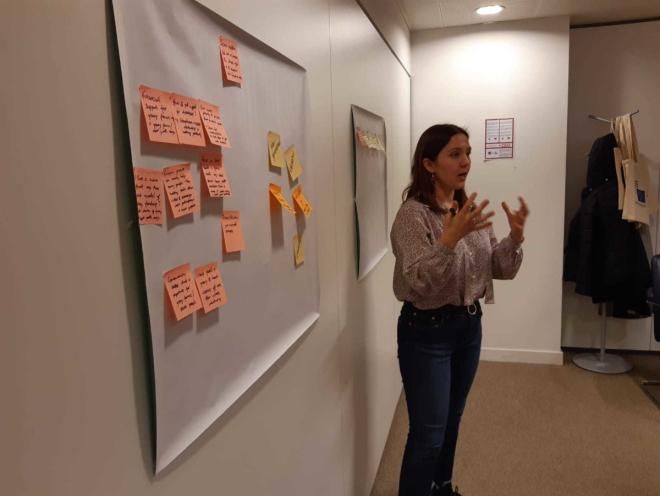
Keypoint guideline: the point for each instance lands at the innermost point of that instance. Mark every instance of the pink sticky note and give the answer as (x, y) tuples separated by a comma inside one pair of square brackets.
[(149, 193), (361, 137), (188, 123), (231, 63), (215, 175), (181, 289), (210, 286), (210, 115), (180, 190), (232, 231), (158, 115)]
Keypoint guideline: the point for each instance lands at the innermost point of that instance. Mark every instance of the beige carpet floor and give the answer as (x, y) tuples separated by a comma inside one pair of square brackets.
[(541, 430)]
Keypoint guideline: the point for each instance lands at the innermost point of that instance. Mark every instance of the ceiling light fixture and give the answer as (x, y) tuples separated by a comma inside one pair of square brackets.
[(489, 10)]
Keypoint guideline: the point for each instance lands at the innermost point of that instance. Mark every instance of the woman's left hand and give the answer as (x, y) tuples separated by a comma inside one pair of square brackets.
[(517, 220)]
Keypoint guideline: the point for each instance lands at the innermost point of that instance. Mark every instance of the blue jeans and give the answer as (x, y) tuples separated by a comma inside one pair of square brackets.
[(438, 359)]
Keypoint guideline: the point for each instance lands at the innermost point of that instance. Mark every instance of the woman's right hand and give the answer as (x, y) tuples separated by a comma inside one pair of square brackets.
[(464, 222)]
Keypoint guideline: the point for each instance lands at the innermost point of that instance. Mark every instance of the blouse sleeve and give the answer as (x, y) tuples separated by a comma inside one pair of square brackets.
[(423, 261), (506, 257)]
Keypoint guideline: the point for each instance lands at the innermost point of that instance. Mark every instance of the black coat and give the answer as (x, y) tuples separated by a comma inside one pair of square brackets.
[(605, 255)]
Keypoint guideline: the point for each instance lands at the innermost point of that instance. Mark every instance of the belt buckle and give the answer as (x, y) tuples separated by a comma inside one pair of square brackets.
[(470, 311)]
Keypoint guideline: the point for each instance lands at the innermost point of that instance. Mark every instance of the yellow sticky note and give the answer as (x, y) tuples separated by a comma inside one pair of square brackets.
[(302, 201), (293, 163), (276, 191), (298, 250), (275, 156)]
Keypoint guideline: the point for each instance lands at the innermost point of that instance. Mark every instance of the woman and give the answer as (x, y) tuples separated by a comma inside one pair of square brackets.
[(446, 259)]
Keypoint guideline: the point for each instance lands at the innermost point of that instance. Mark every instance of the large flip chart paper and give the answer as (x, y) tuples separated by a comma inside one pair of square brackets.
[(206, 360), (370, 188)]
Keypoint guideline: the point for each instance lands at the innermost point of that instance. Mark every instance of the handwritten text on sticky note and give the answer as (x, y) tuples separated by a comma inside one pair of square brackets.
[(302, 201), (293, 163), (276, 191), (298, 250), (232, 231), (157, 111), (187, 120), (275, 155), (213, 124), (181, 289), (215, 175), (149, 194), (210, 286), (180, 190), (231, 63)]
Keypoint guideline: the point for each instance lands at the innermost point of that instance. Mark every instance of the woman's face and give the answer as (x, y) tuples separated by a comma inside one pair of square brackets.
[(452, 165)]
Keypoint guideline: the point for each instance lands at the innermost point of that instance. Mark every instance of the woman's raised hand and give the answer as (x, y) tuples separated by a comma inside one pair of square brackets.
[(458, 226), (517, 220)]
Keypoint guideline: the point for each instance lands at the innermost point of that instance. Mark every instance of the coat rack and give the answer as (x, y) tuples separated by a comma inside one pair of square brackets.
[(609, 120), (603, 363)]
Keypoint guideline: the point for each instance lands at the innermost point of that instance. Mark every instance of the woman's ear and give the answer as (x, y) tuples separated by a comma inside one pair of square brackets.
[(428, 165)]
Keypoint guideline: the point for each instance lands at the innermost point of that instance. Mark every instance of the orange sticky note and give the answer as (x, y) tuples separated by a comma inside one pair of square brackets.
[(231, 63), (232, 231), (302, 201), (361, 137), (180, 189), (215, 175), (210, 115), (187, 121), (293, 163), (182, 291), (275, 157), (149, 193), (158, 115), (298, 250), (276, 191), (210, 286)]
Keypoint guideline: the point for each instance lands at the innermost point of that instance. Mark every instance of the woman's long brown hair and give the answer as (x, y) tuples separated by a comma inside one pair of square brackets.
[(430, 143)]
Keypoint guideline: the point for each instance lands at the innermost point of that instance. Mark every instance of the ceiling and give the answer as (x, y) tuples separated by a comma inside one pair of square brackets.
[(426, 14)]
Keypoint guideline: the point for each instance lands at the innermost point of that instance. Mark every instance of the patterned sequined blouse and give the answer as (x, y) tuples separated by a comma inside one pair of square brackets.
[(429, 275)]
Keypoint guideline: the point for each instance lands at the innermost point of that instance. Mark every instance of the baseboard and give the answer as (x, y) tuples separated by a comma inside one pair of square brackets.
[(522, 356)]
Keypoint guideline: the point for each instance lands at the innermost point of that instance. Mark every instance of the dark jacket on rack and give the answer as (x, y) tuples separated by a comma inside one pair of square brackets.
[(605, 255)]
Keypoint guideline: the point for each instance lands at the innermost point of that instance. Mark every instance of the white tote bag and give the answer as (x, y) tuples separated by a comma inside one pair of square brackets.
[(639, 198)]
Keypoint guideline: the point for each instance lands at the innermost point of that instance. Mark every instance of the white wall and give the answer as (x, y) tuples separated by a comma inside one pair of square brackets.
[(614, 70), (511, 69), (72, 367), (390, 22)]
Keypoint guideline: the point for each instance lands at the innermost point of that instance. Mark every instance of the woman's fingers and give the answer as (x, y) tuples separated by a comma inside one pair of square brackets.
[(468, 204), (524, 209), (486, 216), (482, 225), (506, 209), (477, 211)]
